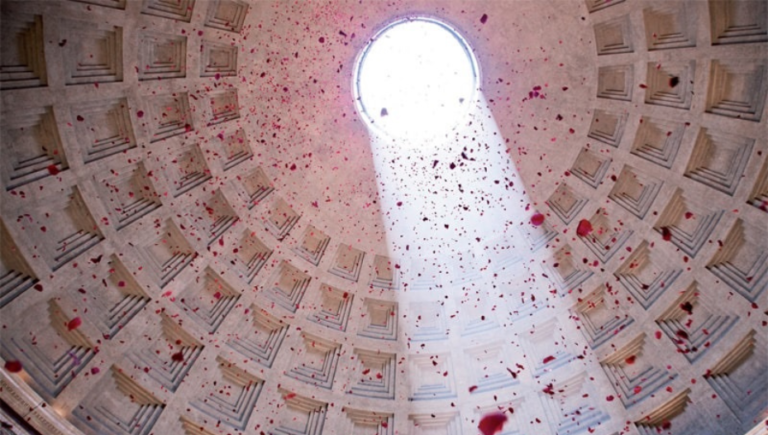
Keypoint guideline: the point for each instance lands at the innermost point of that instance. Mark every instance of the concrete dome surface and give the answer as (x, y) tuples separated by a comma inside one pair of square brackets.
[(201, 235)]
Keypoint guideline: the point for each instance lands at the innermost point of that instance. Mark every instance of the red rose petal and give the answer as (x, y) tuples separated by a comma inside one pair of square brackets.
[(95, 371), (472, 388), (178, 356), (537, 219), (13, 366), (666, 234), (492, 424), (584, 228), (549, 359), (74, 323), (53, 170), (687, 307)]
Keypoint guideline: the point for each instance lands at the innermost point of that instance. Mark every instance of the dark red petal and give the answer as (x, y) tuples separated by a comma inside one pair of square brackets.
[(687, 307), (492, 424), (13, 366), (666, 234)]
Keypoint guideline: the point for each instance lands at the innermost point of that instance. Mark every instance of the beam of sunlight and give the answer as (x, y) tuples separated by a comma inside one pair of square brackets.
[(482, 313)]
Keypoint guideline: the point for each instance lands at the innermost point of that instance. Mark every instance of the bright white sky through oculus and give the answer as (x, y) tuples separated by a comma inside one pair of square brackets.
[(416, 79)]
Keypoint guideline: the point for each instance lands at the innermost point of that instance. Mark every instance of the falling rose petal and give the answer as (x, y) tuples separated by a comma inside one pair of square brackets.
[(687, 307), (472, 388), (638, 389), (53, 170), (484, 19), (658, 335), (217, 295), (38, 287), (492, 424), (584, 228), (95, 371), (674, 81), (609, 398), (74, 323), (121, 284), (75, 359), (630, 360), (666, 234), (140, 114), (178, 357), (289, 396), (80, 118), (682, 334), (13, 366), (537, 219), (549, 359)]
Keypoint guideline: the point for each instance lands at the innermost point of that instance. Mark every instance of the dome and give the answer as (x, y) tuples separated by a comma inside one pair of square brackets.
[(207, 228)]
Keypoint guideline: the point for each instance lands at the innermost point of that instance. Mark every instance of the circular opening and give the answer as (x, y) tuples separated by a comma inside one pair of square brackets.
[(415, 79)]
